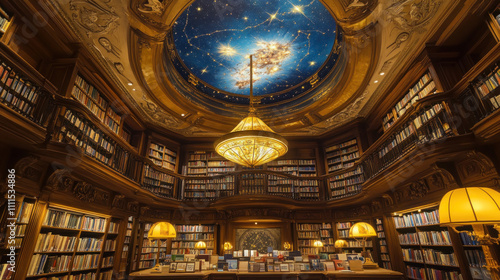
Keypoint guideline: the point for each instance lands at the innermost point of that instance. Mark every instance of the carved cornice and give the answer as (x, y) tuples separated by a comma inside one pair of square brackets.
[(29, 168)]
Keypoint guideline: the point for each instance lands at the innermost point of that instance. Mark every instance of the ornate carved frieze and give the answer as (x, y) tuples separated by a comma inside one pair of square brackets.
[(355, 212), (94, 16), (62, 181), (412, 191), (29, 168)]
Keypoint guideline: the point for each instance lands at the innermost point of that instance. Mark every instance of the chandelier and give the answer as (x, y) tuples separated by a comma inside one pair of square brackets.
[(251, 142)]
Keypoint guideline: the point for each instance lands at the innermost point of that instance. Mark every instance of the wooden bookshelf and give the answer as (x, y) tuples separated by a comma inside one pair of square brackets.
[(426, 246), (125, 261), (284, 186), (385, 259), (95, 101), (342, 155), (208, 163), (18, 92), (425, 86), (162, 156), (24, 207), (487, 87), (474, 253), (346, 184), (5, 20), (307, 233), (188, 235), (157, 182), (74, 244)]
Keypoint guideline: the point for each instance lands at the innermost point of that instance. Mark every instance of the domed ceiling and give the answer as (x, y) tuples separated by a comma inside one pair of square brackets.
[(289, 43), (317, 64)]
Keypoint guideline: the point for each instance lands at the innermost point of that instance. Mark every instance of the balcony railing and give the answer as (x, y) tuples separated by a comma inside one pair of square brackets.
[(429, 120)]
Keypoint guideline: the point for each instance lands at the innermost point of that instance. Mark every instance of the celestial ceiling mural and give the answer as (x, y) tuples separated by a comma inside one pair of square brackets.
[(289, 40)]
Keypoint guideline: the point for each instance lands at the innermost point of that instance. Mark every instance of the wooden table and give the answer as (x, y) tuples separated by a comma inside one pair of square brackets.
[(371, 274)]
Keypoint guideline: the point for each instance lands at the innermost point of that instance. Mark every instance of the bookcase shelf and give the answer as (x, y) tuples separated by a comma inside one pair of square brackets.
[(162, 156), (284, 186), (424, 87), (208, 163), (89, 95), (74, 243), (385, 259), (147, 250), (487, 87), (342, 155), (307, 233), (346, 184), (188, 235), (429, 250), (353, 244)]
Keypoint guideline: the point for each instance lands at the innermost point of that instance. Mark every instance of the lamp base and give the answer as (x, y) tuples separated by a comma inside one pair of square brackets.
[(156, 269), (369, 264)]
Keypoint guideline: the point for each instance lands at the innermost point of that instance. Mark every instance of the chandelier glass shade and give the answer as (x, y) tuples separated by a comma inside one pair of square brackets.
[(251, 142)]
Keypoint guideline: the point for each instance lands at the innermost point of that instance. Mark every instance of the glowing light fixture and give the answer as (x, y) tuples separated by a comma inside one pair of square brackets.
[(287, 246), (318, 244), (200, 245), (340, 243), (161, 231), (251, 142), (478, 207), (364, 230)]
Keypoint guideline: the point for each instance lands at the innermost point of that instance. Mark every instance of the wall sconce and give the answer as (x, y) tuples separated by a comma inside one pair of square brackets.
[(287, 246), (477, 207)]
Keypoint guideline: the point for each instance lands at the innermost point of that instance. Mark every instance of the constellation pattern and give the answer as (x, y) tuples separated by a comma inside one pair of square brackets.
[(290, 40)]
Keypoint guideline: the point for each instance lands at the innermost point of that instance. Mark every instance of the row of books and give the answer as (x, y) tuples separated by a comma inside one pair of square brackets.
[(314, 226), (417, 219), (194, 228), (113, 227), (153, 243), (162, 148), (308, 234), (93, 107), (358, 171), (427, 115), (192, 251), (434, 237), (161, 156), (87, 261), (89, 244), (399, 137), (25, 212), (495, 101), (20, 230), (148, 183), (309, 194), (412, 92), (48, 242), (475, 257), (432, 256), (3, 26), (152, 173), (345, 192), (412, 255), (94, 224), (349, 150), (62, 219), (195, 236), (90, 91), (107, 261), (490, 82), (110, 245), (98, 137), (309, 190), (220, 163), (344, 225), (41, 264), (342, 145), (190, 244), (468, 238), (347, 182), (429, 89), (220, 170)]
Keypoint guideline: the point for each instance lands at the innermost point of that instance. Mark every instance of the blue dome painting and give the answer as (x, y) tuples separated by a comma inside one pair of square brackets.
[(289, 40)]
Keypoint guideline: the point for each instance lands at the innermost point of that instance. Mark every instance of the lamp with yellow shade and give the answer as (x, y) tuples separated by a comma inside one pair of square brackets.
[(340, 243), (227, 247), (287, 246), (161, 231), (477, 207), (200, 245), (364, 230), (318, 244)]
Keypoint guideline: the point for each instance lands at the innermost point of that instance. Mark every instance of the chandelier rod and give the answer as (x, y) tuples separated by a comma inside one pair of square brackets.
[(251, 84)]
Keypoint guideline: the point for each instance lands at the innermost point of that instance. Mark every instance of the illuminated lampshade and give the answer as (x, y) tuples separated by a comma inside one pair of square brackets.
[(251, 142), (470, 206), (340, 243), (161, 230), (318, 244), (200, 245), (362, 230), (287, 246), (227, 246)]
